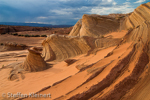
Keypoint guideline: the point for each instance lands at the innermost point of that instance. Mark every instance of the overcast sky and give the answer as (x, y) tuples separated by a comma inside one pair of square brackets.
[(61, 11)]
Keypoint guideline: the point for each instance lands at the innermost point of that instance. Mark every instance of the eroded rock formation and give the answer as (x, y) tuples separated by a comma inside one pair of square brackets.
[(123, 74), (34, 61), (76, 29), (95, 26), (13, 46), (60, 47), (124, 77), (86, 35), (128, 87)]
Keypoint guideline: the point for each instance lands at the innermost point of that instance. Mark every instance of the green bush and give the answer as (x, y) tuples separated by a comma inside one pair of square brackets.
[(37, 36), (26, 35), (3, 33), (15, 34), (43, 35), (102, 36), (3, 66), (32, 35), (120, 17), (55, 32)]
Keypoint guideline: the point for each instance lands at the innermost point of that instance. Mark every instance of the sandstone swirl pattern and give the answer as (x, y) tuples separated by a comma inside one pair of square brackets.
[(34, 61), (95, 26), (76, 29), (84, 37), (133, 82), (125, 74), (60, 47), (139, 22)]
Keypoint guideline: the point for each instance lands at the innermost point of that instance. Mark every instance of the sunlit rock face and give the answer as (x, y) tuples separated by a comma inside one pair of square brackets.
[(95, 26), (60, 47), (34, 61), (86, 35)]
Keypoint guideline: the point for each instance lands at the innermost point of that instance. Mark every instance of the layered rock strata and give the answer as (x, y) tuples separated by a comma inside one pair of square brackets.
[(95, 26), (34, 61)]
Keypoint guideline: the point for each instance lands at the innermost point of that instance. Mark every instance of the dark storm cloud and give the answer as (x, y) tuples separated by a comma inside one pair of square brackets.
[(56, 11)]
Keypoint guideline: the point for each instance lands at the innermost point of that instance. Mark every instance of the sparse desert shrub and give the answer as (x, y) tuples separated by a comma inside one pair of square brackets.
[(43, 35), (2, 66), (3, 33), (37, 36), (102, 36), (26, 35), (120, 17), (15, 34), (20, 35), (54, 32), (32, 35)]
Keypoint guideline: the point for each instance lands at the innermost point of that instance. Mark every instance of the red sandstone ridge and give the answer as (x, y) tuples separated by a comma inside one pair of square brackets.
[(90, 64)]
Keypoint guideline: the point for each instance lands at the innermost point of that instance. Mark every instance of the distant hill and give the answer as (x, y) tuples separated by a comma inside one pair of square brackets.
[(34, 24)]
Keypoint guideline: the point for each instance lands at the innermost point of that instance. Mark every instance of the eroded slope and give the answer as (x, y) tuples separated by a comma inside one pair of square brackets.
[(119, 75)]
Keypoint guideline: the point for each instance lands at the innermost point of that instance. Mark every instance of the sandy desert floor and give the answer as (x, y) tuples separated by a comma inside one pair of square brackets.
[(59, 79)]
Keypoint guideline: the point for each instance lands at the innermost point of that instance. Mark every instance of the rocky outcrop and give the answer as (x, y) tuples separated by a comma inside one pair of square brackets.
[(106, 42), (86, 35), (138, 17), (138, 21), (121, 75), (60, 47), (131, 85), (8, 46), (70, 61), (95, 26), (34, 61), (76, 29)]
